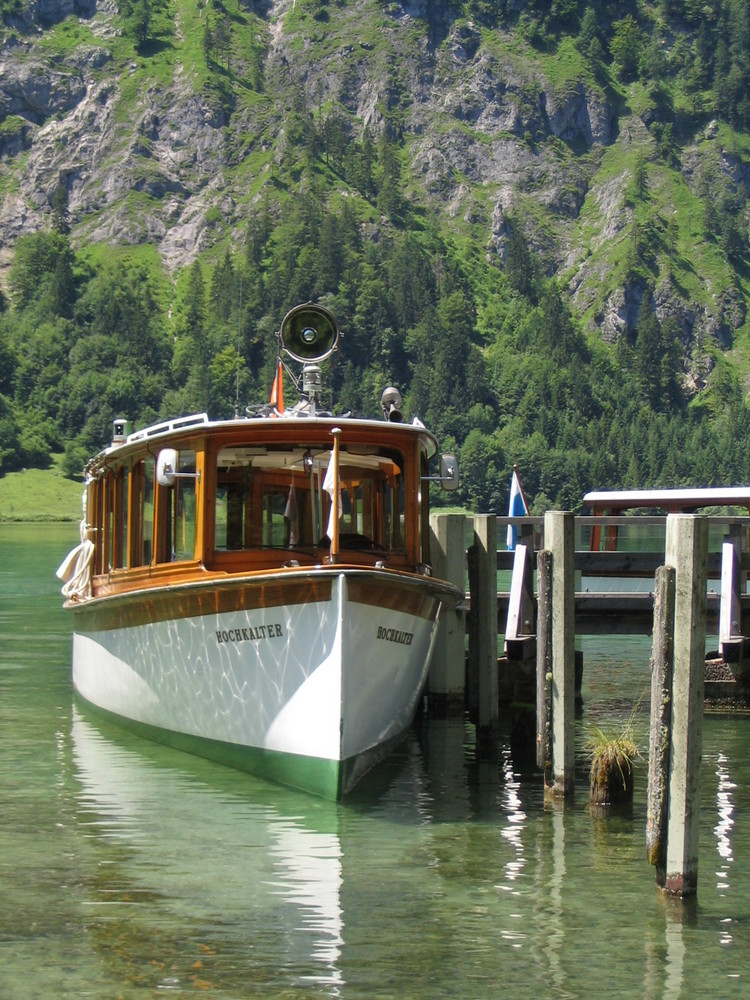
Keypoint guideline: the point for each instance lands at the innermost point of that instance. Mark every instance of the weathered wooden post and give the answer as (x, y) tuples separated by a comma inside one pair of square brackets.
[(544, 664), (660, 731), (559, 539), (447, 678), (673, 849), (482, 679)]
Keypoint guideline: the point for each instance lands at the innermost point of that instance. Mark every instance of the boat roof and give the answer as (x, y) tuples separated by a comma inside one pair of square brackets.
[(288, 426), (671, 500)]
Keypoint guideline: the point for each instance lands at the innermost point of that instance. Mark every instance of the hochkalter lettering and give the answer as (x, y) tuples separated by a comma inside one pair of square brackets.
[(250, 633), (395, 635)]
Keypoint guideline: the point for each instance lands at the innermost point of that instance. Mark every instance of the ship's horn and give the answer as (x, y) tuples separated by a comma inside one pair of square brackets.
[(309, 333)]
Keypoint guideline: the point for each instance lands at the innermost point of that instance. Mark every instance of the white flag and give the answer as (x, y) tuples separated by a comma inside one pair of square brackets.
[(329, 485)]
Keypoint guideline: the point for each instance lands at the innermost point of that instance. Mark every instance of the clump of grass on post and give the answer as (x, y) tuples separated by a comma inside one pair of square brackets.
[(612, 757)]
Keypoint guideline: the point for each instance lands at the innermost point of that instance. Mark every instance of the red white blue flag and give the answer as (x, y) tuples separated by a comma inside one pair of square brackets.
[(517, 507)]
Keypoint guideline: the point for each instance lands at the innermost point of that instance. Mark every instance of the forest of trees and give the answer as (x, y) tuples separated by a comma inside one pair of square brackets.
[(488, 355), (512, 380)]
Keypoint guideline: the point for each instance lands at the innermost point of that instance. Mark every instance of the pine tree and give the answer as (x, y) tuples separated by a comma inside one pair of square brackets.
[(626, 46), (640, 176), (519, 266), (63, 284), (60, 214), (389, 195), (222, 288), (208, 43)]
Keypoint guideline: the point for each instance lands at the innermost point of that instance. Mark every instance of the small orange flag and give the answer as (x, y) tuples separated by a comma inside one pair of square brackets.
[(277, 390)]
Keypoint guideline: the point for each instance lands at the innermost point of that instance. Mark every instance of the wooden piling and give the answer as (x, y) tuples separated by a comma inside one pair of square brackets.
[(544, 664), (447, 678), (559, 538), (482, 673), (661, 720), (686, 552)]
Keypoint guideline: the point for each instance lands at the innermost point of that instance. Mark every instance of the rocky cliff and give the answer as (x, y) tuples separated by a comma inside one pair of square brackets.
[(489, 126)]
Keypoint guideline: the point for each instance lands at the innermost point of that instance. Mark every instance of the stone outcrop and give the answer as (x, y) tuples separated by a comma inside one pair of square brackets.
[(486, 134), (35, 91)]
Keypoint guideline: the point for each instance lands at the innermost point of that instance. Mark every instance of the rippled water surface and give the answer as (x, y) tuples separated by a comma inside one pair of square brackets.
[(131, 870)]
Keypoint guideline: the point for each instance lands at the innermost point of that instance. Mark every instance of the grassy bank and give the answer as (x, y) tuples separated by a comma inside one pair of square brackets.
[(40, 495)]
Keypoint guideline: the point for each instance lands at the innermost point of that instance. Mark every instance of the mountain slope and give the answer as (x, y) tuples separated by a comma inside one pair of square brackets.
[(178, 141)]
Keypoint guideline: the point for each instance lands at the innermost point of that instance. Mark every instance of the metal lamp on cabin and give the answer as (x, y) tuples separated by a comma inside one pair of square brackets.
[(309, 333)]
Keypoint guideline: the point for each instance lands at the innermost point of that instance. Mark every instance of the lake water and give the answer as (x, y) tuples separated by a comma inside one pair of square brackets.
[(130, 870)]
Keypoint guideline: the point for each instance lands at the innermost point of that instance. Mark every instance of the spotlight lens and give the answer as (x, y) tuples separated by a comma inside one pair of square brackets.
[(309, 333)]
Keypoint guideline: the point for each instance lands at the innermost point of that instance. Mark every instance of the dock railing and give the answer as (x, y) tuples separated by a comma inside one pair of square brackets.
[(613, 585)]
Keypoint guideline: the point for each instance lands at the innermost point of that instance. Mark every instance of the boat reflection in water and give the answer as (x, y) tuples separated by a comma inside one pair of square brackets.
[(190, 870), (204, 876)]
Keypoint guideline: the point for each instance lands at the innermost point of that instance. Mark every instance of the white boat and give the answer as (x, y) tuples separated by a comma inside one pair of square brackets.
[(258, 590)]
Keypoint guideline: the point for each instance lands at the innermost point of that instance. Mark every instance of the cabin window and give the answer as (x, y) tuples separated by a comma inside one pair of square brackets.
[(274, 498), (120, 520), (136, 504), (142, 506), (114, 520), (424, 507), (108, 520), (394, 504), (185, 507), (285, 517), (372, 509), (147, 519), (176, 503), (95, 504)]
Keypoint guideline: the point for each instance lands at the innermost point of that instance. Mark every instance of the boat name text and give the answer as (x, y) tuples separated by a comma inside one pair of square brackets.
[(395, 635), (250, 633)]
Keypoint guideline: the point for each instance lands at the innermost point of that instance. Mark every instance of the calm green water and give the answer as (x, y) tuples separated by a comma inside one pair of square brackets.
[(130, 870)]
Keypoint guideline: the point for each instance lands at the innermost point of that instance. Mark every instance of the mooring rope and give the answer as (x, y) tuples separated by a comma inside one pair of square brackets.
[(75, 569)]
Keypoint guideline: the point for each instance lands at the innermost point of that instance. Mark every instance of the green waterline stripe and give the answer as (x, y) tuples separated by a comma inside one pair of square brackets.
[(309, 774)]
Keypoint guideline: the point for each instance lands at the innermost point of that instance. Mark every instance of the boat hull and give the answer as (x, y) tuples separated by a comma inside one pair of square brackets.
[(305, 677)]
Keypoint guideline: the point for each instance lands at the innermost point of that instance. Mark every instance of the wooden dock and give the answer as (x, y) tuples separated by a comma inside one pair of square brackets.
[(612, 588), (692, 584)]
